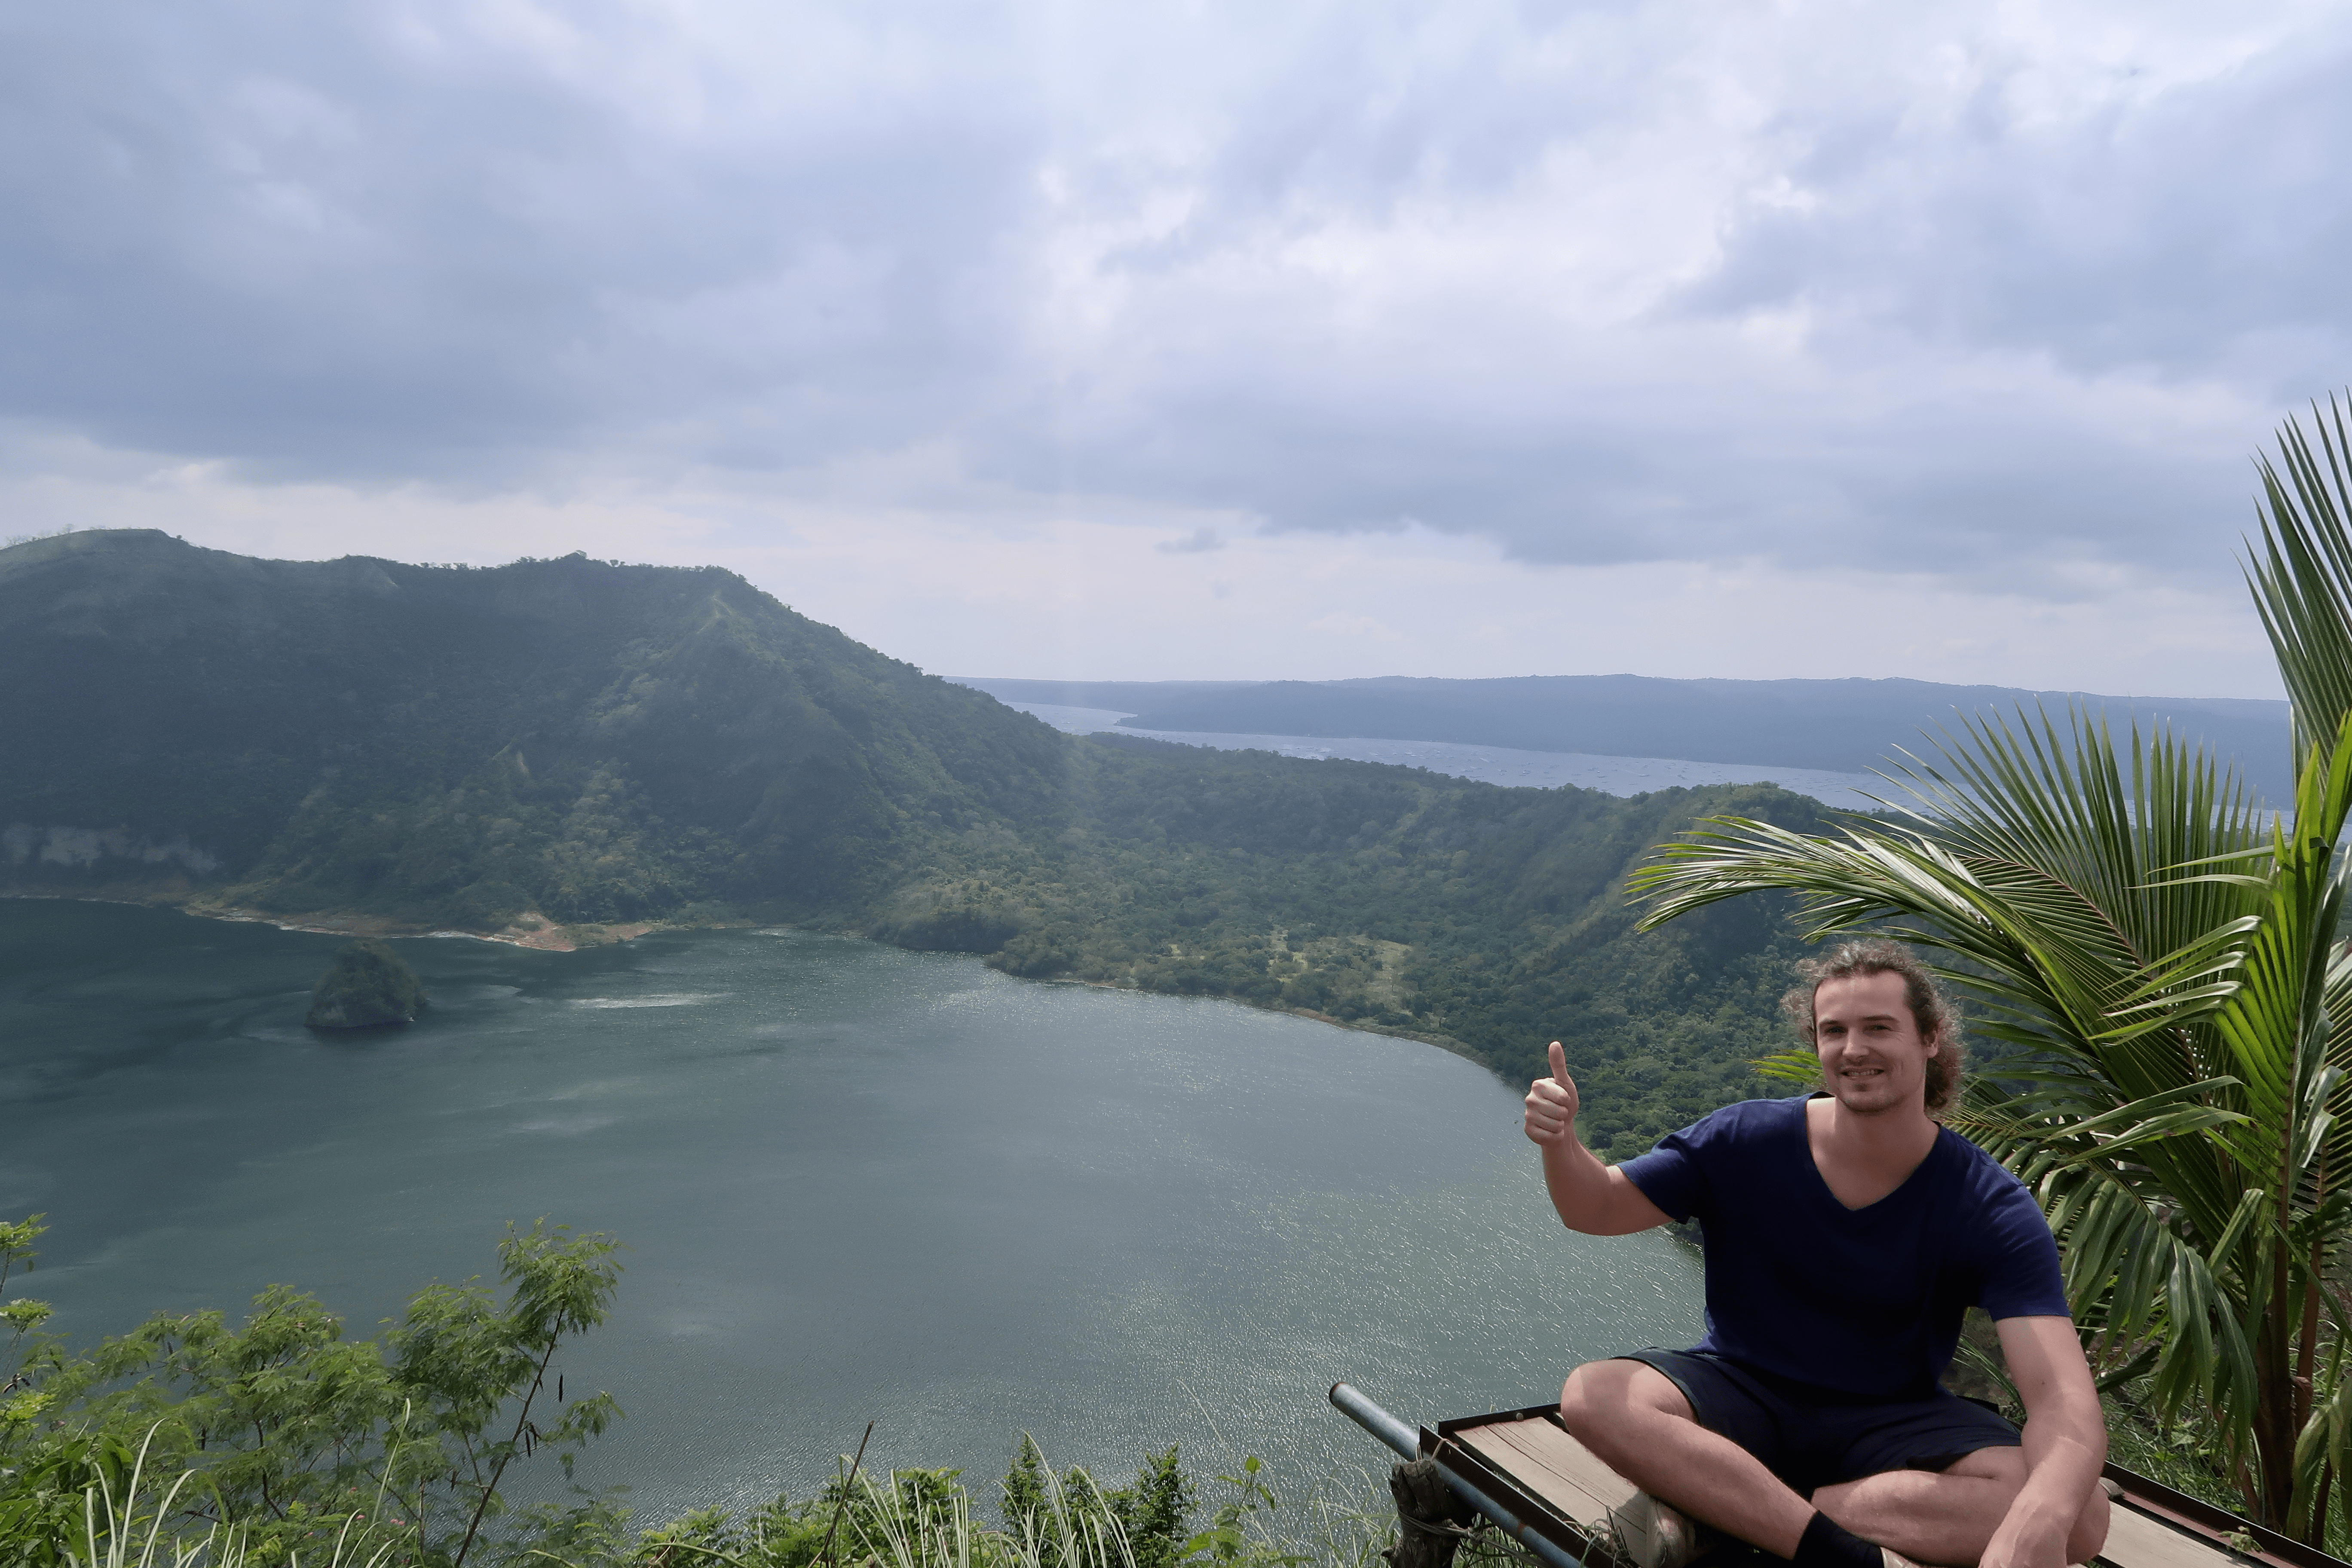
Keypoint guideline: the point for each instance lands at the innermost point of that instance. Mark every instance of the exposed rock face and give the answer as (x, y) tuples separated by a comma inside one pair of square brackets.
[(369, 985), (58, 844)]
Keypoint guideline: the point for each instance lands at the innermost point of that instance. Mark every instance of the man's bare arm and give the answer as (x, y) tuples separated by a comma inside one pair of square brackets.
[(1591, 1197), (2065, 1442)]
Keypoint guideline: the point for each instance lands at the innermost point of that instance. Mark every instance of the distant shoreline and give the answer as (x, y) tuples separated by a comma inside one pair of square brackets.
[(542, 934), (554, 937)]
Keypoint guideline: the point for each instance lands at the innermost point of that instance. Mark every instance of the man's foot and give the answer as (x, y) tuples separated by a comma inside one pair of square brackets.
[(1649, 1535)]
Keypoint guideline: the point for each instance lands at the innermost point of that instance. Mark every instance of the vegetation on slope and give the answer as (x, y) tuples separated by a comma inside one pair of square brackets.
[(280, 1441), (441, 747), (442, 744), (368, 985), (1490, 919)]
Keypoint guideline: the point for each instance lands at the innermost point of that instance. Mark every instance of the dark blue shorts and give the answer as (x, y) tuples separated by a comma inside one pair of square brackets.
[(1809, 1440)]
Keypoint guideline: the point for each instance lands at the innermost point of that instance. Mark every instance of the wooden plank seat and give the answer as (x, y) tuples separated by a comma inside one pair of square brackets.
[(1529, 1460), (1541, 1456)]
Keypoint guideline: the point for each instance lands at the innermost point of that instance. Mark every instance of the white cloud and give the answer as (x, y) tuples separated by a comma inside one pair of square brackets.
[(1986, 304), (980, 587)]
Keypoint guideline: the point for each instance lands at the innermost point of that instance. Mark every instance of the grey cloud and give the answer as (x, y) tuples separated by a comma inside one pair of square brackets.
[(275, 232), (374, 242), (1199, 542), (2193, 232)]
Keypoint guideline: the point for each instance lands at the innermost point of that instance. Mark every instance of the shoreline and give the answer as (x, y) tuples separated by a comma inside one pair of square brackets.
[(1442, 1042), (531, 930), (544, 935)]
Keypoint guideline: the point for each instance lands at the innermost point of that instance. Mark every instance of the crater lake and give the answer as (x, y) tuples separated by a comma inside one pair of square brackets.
[(853, 1183)]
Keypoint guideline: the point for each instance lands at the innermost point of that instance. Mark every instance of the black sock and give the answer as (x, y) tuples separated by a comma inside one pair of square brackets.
[(1826, 1543)]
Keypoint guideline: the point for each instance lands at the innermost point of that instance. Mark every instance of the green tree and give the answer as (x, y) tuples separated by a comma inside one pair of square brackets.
[(19, 1318), (1023, 1494), (291, 1431), (41, 1486), (2161, 951), (1156, 1510)]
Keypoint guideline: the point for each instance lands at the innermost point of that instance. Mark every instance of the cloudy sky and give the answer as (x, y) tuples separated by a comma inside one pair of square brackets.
[(1212, 340)]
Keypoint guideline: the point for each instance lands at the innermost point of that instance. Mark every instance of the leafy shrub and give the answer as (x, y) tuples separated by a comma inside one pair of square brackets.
[(287, 1437)]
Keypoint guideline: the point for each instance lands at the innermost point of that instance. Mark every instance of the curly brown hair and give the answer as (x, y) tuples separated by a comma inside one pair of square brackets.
[(1932, 1008)]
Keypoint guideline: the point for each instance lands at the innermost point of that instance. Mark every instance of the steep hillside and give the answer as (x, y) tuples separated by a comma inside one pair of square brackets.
[(607, 742), (1491, 918), (592, 744)]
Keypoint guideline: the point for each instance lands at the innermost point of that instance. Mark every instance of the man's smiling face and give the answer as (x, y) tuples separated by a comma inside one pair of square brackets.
[(1872, 1058)]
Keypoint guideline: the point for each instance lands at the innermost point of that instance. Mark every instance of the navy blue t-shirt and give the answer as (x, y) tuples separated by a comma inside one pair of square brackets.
[(1863, 1303)]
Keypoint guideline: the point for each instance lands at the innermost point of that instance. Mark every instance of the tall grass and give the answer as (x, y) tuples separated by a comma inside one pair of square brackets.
[(1343, 1522), (941, 1534), (130, 1531)]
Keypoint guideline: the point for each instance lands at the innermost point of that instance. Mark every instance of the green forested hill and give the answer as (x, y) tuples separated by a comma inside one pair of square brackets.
[(591, 742), (442, 744), (1405, 900)]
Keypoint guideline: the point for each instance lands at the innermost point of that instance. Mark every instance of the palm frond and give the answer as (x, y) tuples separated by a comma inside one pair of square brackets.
[(2162, 947), (2301, 577)]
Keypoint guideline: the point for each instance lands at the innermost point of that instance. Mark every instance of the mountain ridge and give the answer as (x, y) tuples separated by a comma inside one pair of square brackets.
[(1852, 724), (282, 696), (604, 747)]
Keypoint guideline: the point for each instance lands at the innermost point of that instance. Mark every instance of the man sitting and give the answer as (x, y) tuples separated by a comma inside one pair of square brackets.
[(1846, 1232)]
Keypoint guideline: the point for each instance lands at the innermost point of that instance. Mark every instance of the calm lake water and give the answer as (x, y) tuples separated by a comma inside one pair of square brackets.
[(1500, 764), (855, 1184)]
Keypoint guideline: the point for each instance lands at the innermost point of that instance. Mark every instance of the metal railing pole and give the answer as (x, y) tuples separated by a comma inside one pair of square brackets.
[(1352, 1402)]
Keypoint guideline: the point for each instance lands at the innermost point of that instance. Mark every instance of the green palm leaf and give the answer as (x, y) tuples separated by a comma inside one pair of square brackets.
[(2160, 947)]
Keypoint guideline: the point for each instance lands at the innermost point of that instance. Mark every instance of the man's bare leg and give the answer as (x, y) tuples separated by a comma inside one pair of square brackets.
[(1637, 1423), (1949, 1518)]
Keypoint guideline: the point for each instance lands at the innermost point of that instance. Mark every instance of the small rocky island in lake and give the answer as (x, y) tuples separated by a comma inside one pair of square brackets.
[(370, 985)]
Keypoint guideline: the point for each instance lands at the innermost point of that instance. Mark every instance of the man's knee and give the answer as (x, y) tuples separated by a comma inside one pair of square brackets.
[(2089, 1536), (2006, 1466), (1603, 1401)]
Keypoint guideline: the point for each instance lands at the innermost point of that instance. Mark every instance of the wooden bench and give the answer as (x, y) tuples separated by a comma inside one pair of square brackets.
[(1528, 1461)]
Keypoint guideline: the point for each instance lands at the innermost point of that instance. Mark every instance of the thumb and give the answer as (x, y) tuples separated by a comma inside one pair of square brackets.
[(1558, 1065)]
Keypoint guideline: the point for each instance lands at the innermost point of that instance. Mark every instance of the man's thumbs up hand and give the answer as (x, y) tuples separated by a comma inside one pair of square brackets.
[(1552, 1103)]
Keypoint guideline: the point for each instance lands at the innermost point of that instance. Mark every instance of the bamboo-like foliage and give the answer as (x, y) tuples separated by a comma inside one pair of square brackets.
[(2163, 949)]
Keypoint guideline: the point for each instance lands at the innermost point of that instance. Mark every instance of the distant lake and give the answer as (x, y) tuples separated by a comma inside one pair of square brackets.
[(855, 1184), (1503, 764)]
